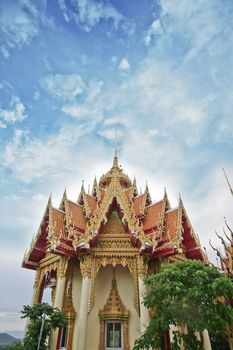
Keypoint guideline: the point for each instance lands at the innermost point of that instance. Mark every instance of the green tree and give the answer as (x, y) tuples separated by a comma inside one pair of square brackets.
[(43, 318), (187, 294)]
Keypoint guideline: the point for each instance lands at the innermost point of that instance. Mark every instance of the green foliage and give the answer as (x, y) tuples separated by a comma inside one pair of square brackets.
[(53, 318), (187, 294), (15, 346)]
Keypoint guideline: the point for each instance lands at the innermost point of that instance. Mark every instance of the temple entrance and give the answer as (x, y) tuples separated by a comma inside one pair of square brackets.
[(113, 335)]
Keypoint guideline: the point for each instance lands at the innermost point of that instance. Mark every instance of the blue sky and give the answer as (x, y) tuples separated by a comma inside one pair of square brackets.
[(74, 70)]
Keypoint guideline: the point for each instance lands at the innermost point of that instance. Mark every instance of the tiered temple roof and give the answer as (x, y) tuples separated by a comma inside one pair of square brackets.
[(155, 228)]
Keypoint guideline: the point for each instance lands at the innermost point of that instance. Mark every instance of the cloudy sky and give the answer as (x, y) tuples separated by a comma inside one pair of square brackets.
[(71, 71)]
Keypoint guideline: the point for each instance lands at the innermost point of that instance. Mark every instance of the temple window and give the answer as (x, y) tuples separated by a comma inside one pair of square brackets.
[(63, 338), (113, 335)]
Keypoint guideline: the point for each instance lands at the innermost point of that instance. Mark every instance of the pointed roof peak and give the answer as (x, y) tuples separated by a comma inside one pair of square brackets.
[(64, 194), (82, 187), (165, 196), (180, 201), (49, 204)]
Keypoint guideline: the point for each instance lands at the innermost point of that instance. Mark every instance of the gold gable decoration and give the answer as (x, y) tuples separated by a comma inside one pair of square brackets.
[(114, 310), (116, 191), (114, 248)]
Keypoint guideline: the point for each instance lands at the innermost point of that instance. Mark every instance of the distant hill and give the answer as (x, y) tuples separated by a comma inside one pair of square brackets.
[(6, 339), (16, 334)]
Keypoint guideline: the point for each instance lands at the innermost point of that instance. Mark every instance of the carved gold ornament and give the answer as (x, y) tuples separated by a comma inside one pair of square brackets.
[(114, 310)]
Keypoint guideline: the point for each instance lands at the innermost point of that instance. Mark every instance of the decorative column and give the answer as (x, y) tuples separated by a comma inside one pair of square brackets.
[(144, 312), (206, 338), (36, 288), (85, 267), (35, 295), (182, 330), (60, 288)]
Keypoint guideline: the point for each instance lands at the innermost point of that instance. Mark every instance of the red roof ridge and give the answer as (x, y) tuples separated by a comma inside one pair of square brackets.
[(151, 205), (69, 200), (140, 195), (62, 211), (172, 209), (89, 195)]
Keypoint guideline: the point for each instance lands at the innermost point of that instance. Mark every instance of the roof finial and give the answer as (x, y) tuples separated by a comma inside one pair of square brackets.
[(228, 182), (116, 144), (115, 160), (82, 187)]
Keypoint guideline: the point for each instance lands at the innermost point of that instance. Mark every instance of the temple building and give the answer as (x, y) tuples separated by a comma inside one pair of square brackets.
[(93, 254)]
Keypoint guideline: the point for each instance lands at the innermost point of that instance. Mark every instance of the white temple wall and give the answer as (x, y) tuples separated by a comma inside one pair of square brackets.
[(76, 287), (76, 297), (102, 290)]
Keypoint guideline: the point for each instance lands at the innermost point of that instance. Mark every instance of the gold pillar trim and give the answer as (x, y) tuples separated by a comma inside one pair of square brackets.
[(85, 266), (62, 267), (69, 311), (142, 264), (37, 278), (58, 265)]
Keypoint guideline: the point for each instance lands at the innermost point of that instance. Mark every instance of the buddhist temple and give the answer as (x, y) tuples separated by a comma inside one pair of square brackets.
[(94, 253)]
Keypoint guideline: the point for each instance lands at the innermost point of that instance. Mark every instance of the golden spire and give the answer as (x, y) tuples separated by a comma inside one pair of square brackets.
[(228, 182), (82, 187), (115, 160)]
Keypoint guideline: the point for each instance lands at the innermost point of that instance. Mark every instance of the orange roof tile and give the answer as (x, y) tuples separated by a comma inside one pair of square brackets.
[(171, 223), (91, 202), (128, 192), (58, 222), (77, 215), (154, 215), (138, 204), (102, 193)]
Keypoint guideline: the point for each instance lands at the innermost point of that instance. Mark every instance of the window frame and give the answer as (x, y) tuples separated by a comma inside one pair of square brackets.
[(105, 334)]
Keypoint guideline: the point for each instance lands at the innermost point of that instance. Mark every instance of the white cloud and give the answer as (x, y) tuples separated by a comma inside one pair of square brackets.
[(11, 301), (36, 95), (215, 201), (198, 24), (64, 10), (110, 134), (31, 158), (64, 86), (15, 114), (39, 197), (88, 13), (76, 110), (114, 59), (93, 89), (153, 31), (18, 24), (90, 108), (124, 64), (5, 52)]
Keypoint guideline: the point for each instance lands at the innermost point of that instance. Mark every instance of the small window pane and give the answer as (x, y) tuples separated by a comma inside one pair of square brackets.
[(117, 335), (110, 339), (63, 337)]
